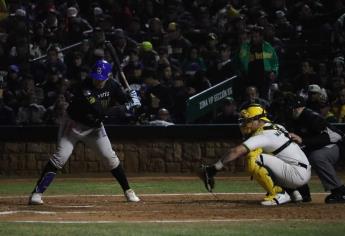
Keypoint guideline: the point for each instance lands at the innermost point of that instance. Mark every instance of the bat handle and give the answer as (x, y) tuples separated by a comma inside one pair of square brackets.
[(123, 76)]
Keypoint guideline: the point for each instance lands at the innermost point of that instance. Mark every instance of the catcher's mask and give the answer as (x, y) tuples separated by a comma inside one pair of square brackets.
[(248, 115)]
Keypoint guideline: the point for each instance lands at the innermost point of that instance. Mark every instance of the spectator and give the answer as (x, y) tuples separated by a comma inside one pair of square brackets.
[(75, 67), (165, 75), (180, 92), (210, 51), (155, 32), (252, 96), (199, 81), (316, 96), (56, 112), (7, 115), (12, 85), (326, 113), (259, 62), (75, 26), (134, 68), (162, 118), (338, 105), (159, 95), (228, 114), (30, 112), (178, 43), (135, 31), (148, 56), (306, 76), (193, 62), (223, 67)]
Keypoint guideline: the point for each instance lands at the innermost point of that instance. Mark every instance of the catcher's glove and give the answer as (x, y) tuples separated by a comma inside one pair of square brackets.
[(206, 174)]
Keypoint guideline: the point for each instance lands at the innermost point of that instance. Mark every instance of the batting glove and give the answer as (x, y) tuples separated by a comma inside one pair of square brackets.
[(135, 102)]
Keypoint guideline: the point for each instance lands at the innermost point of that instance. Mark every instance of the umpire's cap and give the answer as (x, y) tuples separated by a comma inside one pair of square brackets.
[(101, 70)]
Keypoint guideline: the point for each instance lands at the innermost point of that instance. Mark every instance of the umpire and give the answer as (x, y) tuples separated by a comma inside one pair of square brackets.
[(320, 141)]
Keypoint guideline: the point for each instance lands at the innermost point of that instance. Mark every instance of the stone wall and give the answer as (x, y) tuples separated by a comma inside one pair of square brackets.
[(148, 156)]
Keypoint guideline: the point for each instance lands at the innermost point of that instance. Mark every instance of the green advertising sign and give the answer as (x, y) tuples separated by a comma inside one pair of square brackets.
[(204, 102)]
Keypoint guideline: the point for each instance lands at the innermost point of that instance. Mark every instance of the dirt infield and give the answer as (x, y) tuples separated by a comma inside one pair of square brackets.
[(165, 207)]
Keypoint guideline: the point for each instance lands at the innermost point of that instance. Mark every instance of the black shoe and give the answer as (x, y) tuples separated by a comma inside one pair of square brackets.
[(305, 192), (306, 198), (335, 198), (206, 174)]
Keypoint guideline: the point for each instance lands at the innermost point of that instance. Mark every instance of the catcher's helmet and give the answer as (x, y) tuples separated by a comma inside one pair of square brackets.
[(253, 112), (101, 70)]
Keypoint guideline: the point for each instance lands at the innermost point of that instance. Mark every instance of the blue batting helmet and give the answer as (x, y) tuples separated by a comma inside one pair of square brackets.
[(101, 70)]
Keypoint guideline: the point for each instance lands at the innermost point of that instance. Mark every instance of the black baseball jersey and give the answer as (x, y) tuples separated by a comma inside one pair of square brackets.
[(315, 131), (89, 105)]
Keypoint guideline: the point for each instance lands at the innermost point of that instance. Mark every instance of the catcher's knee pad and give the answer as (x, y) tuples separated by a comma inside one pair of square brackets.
[(251, 160), (261, 174)]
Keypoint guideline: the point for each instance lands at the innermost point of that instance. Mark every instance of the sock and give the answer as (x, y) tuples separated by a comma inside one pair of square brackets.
[(211, 170), (120, 176), (289, 190), (46, 178), (305, 192)]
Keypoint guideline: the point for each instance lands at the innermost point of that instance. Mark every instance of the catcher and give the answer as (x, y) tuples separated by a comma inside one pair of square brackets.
[(273, 159), (92, 100)]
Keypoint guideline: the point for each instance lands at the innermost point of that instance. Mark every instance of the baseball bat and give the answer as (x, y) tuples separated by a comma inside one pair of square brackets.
[(117, 62)]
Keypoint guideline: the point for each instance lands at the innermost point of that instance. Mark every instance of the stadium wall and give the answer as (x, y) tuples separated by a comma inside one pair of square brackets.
[(142, 149)]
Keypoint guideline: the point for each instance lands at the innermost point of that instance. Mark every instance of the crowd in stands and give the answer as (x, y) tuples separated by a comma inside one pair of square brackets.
[(171, 50)]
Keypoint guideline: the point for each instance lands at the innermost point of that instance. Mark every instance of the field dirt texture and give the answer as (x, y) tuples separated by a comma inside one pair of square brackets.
[(194, 207)]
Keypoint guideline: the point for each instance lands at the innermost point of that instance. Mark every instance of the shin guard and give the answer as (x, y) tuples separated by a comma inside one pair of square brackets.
[(44, 182), (261, 174), (47, 177)]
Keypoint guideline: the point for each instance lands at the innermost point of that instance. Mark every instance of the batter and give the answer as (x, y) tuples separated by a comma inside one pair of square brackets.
[(83, 122)]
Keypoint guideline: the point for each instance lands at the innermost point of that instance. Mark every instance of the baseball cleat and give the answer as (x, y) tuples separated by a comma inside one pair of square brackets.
[(36, 199), (131, 196), (335, 198), (280, 198), (206, 177)]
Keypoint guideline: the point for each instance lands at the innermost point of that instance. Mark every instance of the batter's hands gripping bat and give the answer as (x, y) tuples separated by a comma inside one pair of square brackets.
[(117, 63), (134, 97)]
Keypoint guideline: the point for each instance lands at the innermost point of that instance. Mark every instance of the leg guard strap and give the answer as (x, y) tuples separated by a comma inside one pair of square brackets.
[(264, 179)]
